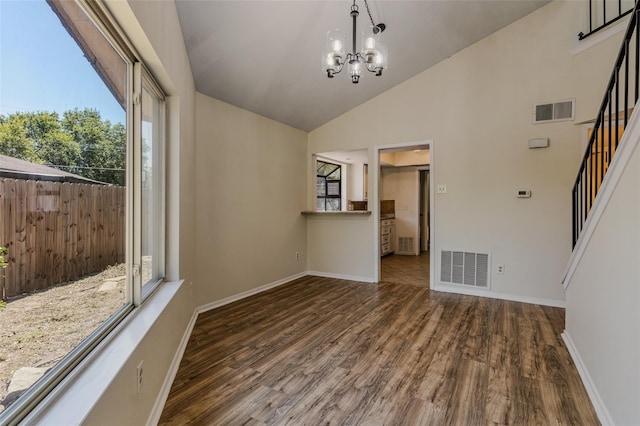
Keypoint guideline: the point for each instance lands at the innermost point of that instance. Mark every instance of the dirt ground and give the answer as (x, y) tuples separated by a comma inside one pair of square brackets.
[(38, 329)]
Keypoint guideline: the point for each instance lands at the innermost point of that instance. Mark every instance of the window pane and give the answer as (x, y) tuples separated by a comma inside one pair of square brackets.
[(63, 97), (151, 207), (334, 175), (321, 187), (333, 204), (320, 205), (333, 189)]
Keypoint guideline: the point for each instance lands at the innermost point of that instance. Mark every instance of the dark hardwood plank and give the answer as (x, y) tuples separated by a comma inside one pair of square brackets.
[(326, 351)]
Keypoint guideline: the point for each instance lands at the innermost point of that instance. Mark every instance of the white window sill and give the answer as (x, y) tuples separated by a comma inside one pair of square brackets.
[(74, 398)]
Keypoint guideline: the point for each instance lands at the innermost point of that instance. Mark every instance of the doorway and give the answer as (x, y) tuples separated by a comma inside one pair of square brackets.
[(404, 201)]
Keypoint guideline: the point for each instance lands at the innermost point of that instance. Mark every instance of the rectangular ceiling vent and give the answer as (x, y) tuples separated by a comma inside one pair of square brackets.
[(457, 267), (557, 111)]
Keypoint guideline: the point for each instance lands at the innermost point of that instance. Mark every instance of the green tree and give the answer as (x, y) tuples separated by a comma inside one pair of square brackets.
[(13, 138), (79, 142)]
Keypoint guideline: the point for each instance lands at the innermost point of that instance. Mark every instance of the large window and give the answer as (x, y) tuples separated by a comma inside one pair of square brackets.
[(328, 186), (84, 122)]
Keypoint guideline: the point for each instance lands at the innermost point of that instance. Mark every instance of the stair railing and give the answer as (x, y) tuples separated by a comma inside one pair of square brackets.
[(598, 15), (611, 121)]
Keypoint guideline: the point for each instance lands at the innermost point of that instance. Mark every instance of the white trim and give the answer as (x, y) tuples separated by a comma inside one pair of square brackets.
[(156, 411), (446, 288), (341, 276), (624, 152), (245, 294), (601, 36), (594, 396)]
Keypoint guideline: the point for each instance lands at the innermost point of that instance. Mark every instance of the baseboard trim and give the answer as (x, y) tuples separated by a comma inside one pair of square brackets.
[(161, 400), (341, 276), (502, 296), (245, 294), (594, 396)]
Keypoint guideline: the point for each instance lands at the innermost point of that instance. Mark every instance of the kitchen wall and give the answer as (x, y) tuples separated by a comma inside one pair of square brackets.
[(477, 108), (402, 185)]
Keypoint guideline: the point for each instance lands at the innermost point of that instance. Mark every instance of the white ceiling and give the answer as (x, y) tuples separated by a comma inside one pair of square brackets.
[(265, 56)]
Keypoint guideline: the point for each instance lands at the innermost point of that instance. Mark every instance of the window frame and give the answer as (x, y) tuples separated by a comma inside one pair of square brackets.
[(135, 295), (326, 185)]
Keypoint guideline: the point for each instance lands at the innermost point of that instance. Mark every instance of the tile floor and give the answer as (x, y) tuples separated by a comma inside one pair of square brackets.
[(413, 270)]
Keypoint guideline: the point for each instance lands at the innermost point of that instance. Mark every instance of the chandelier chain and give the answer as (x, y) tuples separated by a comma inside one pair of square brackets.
[(369, 12)]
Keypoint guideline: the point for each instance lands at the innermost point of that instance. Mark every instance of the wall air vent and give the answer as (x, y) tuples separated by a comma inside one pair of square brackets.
[(457, 267), (556, 111), (405, 245)]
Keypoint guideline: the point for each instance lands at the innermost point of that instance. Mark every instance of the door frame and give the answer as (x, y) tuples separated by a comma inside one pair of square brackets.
[(375, 197)]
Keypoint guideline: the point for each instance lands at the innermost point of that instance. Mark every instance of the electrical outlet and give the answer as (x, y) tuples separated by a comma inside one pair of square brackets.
[(297, 255), (500, 269), (139, 377), (441, 189)]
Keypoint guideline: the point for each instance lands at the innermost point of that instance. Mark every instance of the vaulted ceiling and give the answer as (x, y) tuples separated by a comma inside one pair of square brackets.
[(265, 56)]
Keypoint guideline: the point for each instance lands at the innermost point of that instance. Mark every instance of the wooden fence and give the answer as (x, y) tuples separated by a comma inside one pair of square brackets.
[(57, 232)]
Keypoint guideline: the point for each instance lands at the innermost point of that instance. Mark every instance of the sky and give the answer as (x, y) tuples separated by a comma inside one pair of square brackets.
[(43, 69)]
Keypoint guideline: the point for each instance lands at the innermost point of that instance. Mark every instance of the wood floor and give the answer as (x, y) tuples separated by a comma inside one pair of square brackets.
[(325, 351), (413, 270)]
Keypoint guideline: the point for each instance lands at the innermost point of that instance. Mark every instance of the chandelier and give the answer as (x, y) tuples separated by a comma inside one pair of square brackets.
[(372, 53)]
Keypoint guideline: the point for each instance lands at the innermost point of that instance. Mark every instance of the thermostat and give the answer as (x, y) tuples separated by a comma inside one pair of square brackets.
[(524, 193)]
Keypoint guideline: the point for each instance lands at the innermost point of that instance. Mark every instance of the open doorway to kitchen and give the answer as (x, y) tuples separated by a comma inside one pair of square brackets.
[(405, 203)]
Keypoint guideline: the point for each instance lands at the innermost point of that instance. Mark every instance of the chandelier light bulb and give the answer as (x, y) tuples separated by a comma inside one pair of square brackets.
[(336, 46), (370, 43)]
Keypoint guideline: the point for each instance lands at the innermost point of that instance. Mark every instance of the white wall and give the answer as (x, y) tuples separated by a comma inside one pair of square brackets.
[(603, 298), (355, 182), (251, 189), (402, 184), (477, 108)]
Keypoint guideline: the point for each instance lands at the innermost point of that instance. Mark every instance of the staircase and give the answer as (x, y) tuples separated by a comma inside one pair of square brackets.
[(605, 138)]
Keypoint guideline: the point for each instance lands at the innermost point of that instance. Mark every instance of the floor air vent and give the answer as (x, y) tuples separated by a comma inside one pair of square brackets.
[(457, 267)]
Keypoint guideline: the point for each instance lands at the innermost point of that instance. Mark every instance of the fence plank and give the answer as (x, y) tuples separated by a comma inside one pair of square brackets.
[(56, 232)]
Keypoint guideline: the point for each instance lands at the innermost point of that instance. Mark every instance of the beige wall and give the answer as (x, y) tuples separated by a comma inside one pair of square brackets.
[(477, 108), (251, 188), (603, 318)]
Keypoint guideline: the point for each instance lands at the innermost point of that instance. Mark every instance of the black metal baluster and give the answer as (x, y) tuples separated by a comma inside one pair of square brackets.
[(626, 82), (617, 86), (608, 157)]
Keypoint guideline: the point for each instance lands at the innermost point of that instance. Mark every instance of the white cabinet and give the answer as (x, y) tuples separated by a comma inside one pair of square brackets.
[(387, 236)]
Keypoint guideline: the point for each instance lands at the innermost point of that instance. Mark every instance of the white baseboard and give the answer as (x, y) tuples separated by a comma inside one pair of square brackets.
[(598, 404), (156, 412), (245, 294), (341, 277), (495, 295)]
